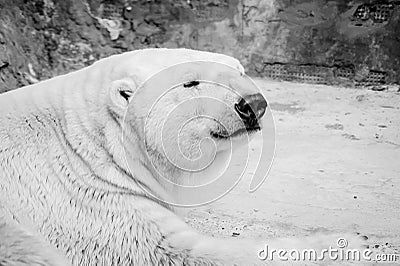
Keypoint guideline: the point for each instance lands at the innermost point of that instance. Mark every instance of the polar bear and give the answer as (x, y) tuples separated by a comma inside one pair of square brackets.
[(81, 159)]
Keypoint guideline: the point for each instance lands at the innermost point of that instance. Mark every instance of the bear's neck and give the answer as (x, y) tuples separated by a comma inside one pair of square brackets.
[(98, 138)]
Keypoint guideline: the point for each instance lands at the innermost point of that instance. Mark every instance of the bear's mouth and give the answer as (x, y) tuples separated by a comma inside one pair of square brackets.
[(223, 134)]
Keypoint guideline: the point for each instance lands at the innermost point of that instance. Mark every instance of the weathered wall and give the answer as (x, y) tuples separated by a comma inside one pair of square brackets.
[(317, 41)]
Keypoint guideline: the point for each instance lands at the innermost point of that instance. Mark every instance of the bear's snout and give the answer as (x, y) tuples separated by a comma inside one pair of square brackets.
[(251, 108)]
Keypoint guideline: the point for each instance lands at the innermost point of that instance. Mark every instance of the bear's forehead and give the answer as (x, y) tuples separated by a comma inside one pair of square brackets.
[(173, 65)]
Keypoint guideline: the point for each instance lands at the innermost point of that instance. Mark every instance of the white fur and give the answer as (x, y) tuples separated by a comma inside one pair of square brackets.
[(63, 170), (19, 246)]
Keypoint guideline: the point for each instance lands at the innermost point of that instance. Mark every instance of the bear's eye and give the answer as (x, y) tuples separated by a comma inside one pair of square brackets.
[(191, 84)]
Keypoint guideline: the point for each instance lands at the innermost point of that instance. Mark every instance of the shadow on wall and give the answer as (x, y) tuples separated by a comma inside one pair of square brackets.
[(331, 42)]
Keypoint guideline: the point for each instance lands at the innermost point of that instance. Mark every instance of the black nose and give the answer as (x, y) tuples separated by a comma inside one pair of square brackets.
[(251, 108)]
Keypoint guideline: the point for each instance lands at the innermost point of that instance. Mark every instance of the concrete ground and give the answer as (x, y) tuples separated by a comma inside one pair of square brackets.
[(336, 169)]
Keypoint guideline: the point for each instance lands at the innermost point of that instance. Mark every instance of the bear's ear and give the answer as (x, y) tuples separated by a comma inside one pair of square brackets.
[(121, 91)]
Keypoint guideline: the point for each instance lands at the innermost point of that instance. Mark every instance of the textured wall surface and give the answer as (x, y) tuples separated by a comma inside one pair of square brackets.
[(317, 41)]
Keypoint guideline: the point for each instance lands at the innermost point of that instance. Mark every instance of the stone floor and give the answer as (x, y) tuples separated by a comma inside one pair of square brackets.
[(336, 169)]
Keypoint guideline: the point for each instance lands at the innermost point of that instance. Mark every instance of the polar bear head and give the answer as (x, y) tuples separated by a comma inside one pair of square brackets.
[(186, 109)]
